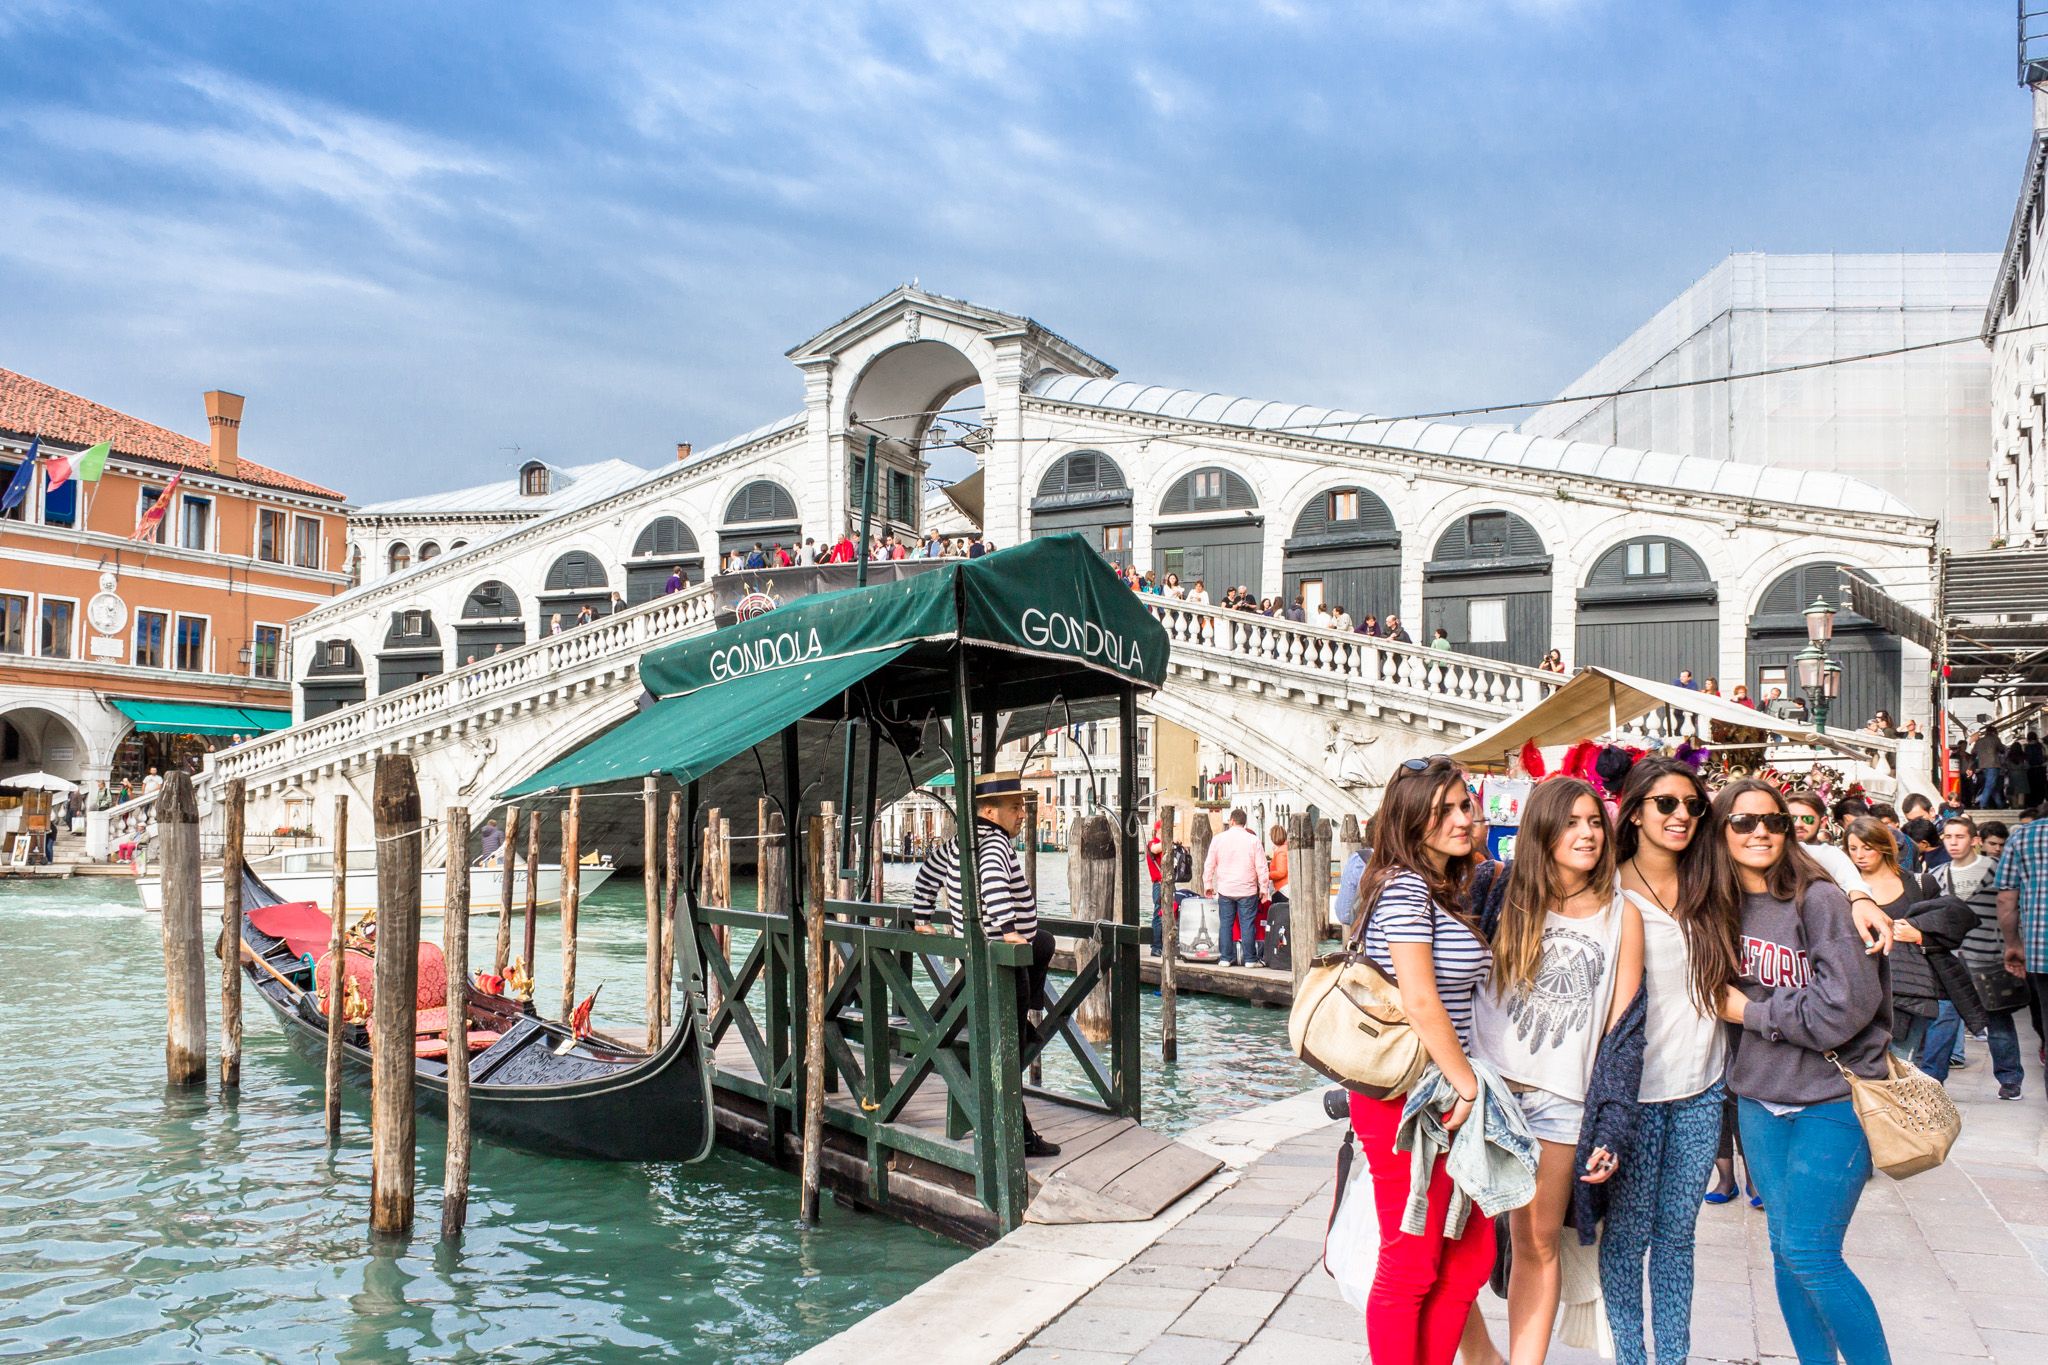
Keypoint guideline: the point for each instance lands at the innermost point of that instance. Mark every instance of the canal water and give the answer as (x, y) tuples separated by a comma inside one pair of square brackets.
[(142, 1224)]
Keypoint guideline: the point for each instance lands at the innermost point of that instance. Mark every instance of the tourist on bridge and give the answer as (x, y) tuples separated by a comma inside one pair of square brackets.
[(1236, 874), (1395, 631), (1006, 904)]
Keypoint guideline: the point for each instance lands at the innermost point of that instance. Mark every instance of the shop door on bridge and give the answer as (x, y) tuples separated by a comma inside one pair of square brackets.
[(574, 581), (411, 652), (1085, 491), (1210, 529), (1649, 609), (490, 622), (763, 513), (1488, 585), (332, 680), (1346, 552), (1869, 655)]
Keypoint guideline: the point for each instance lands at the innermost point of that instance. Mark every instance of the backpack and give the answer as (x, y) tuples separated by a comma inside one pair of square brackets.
[(1183, 864)]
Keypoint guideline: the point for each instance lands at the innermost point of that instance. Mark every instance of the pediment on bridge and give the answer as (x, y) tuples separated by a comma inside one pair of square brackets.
[(907, 310)]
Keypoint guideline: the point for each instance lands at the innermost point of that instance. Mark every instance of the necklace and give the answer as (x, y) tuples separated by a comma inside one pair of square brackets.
[(1648, 886)]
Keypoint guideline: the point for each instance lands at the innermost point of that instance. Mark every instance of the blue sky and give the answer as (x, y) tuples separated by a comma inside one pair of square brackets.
[(415, 235)]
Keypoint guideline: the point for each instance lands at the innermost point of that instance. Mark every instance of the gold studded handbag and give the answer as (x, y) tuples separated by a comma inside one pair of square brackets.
[(1908, 1118)]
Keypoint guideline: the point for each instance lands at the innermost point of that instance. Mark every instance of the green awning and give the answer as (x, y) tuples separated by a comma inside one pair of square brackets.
[(1046, 623), (198, 718)]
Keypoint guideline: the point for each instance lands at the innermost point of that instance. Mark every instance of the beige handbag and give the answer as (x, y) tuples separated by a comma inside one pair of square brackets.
[(1908, 1119), (1347, 1023)]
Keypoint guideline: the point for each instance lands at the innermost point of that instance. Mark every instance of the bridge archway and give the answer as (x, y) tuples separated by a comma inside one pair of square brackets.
[(1346, 551), (574, 581), (1085, 491), (1487, 584), (1650, 607), (663, 546), (491, 621), (901, 395), (411, 651), (37, 739), (332, 680), (1209, 528), (1869, 655)]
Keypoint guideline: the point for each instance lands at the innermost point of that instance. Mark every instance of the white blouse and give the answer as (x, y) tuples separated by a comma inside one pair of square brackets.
[(1683, 1049)]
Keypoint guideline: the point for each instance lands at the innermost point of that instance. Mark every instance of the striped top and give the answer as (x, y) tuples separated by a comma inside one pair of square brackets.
[(1007, 903), (1404, 913)]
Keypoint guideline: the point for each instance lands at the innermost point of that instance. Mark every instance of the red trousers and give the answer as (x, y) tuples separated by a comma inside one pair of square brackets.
[(1425, 1285)]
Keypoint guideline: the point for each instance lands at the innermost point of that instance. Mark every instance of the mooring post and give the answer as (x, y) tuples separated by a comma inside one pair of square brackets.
[(1091, 892), (1302, 928), (821, 849), (572, 896), (337, 952), (1326, 833), (455, 952), (672, 865), (762, 899), (508, 870), (236, 796), (177, 819), (526, 940), (1169, 952), (650, 885), (395, 1010), (725, 861)]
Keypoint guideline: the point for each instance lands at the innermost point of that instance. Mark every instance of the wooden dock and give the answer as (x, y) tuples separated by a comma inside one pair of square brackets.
[(1259, 985), (1109, 1170)]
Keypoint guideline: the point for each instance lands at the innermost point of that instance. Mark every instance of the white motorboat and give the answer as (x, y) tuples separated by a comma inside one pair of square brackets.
[(307, 874)]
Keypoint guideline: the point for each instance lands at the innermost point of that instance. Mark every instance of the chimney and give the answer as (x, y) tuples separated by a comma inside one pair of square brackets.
[(224, 423), (682, 451)]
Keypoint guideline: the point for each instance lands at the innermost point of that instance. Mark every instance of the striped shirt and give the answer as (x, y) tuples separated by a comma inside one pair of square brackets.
[(1007, 903), (1404, 913)]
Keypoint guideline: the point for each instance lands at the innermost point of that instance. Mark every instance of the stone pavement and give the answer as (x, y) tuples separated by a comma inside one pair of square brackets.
[(1955, 1258)]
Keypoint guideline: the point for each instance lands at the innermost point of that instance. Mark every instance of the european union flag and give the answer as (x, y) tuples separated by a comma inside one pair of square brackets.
[(24, 475)]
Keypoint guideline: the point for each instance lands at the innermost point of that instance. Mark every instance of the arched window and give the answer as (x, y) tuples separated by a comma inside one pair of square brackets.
[(429, 550), (355, 565), (533, 479), (1489, 535), (1350, 513), (666, 537), (760, 501), (458, 545), (576, 571), (490, 599), (399, 557), (1081, 474), (1208, 490)]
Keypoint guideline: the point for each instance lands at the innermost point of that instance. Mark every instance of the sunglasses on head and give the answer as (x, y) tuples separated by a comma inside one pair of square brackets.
[(1417, 765), (1695, 806), (1746, 822)]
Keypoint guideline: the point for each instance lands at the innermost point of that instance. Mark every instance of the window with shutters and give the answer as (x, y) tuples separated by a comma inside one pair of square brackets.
[(338, 653), (575, 572), (664, 537), (1344, 505), (902, 496), (1487, 534), (306, 542), (270, 536), (761, 501)]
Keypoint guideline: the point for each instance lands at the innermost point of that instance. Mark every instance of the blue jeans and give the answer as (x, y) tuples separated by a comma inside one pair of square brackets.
[(1158, 931), (1810, 1168), (1244, 912), (1655, 1202), (1939, 1043), (1905, 1041), (2003, 1034)]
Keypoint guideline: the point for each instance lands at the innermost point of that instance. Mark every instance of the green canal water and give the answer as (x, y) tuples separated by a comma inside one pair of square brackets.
[(137, 1223)]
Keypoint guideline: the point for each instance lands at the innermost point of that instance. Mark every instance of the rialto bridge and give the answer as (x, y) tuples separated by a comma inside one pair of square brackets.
[(1645, 562)]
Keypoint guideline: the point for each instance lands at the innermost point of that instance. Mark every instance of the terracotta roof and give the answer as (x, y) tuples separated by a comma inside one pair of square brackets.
[(29, 407)]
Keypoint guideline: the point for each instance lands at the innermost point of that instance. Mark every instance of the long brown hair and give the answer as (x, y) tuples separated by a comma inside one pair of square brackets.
[(1709, 942), (1536, 883), (1399, 833), (1711, 887), (1876, 834)]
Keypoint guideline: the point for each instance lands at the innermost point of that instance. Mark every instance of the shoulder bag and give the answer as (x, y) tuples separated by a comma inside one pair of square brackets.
[(1908, 1118), (1348, 1024)]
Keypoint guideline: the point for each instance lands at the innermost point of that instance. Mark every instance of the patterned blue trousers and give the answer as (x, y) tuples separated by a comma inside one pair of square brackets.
[(1653, 1207)]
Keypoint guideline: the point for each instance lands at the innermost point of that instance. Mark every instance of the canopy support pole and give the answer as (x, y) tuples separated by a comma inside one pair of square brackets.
[(1125, 1062), (846, 867)]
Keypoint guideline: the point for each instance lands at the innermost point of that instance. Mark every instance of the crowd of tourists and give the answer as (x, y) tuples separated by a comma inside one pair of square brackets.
[(1665, 980), (774, 554)]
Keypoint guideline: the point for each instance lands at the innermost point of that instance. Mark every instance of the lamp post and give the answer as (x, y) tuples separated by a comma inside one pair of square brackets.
[(1820, 677)]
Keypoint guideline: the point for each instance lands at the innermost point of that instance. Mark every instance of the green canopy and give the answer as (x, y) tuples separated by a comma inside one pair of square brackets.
[(198, 718), (1045, 621)]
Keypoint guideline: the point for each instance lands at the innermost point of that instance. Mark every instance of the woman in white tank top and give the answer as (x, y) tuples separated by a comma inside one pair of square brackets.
[(1567, 960)]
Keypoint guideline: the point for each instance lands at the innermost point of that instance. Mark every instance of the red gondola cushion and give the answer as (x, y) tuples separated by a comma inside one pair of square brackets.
[(438, 1047), (433, 987), (358, 968), (301, 924)]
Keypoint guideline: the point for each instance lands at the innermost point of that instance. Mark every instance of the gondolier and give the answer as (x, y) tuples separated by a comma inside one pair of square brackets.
[(1007, 905)]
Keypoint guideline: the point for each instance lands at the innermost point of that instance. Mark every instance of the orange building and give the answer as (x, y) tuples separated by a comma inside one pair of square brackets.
[(118, 655)]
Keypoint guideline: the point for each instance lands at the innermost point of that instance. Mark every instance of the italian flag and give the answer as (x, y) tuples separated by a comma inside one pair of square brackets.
[(58, 468)]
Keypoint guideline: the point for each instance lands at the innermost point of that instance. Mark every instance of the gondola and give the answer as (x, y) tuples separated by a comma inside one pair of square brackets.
[(533, 1085)]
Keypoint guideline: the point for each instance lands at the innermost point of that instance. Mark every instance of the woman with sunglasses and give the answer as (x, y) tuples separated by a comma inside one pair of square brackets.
[(1655, 1200), (1568, 961), (1807, 995), (1415, 928)]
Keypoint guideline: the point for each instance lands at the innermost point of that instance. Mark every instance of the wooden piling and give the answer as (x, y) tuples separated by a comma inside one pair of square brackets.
[(337, 949), (1091, 895), (455, 952), (231, 862), (823, 868), (761, 858), (572, 896), (177, 819), (508, 869), (532, 893), (1169, 951), (396, 1007), (1302, 927), (1326, 833), (724, 861), (650, 884), (673, 865), (773, 884)]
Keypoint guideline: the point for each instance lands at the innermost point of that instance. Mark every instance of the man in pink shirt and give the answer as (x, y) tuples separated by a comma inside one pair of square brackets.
[(1237, 876)]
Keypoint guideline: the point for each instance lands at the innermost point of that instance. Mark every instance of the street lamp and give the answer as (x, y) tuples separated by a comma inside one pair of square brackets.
[(1820, 677)]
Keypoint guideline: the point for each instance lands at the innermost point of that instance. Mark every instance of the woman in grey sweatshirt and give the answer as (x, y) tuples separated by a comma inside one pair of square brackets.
[(1807, 995)]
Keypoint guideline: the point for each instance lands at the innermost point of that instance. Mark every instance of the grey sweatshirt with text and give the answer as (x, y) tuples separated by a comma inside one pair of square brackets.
[(1811, 989)]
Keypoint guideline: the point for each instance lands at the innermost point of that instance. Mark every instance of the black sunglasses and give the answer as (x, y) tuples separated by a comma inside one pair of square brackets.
[(1417, 765), (1745, 822), (1695, 806)]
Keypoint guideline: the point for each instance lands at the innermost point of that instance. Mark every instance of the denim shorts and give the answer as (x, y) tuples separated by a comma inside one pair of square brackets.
[(1552, 1118)]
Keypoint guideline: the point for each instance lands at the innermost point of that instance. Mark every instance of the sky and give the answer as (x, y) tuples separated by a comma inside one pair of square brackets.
[(417, 237)]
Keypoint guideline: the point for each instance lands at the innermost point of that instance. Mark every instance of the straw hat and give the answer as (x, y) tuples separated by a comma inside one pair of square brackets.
[(1004, 785)]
